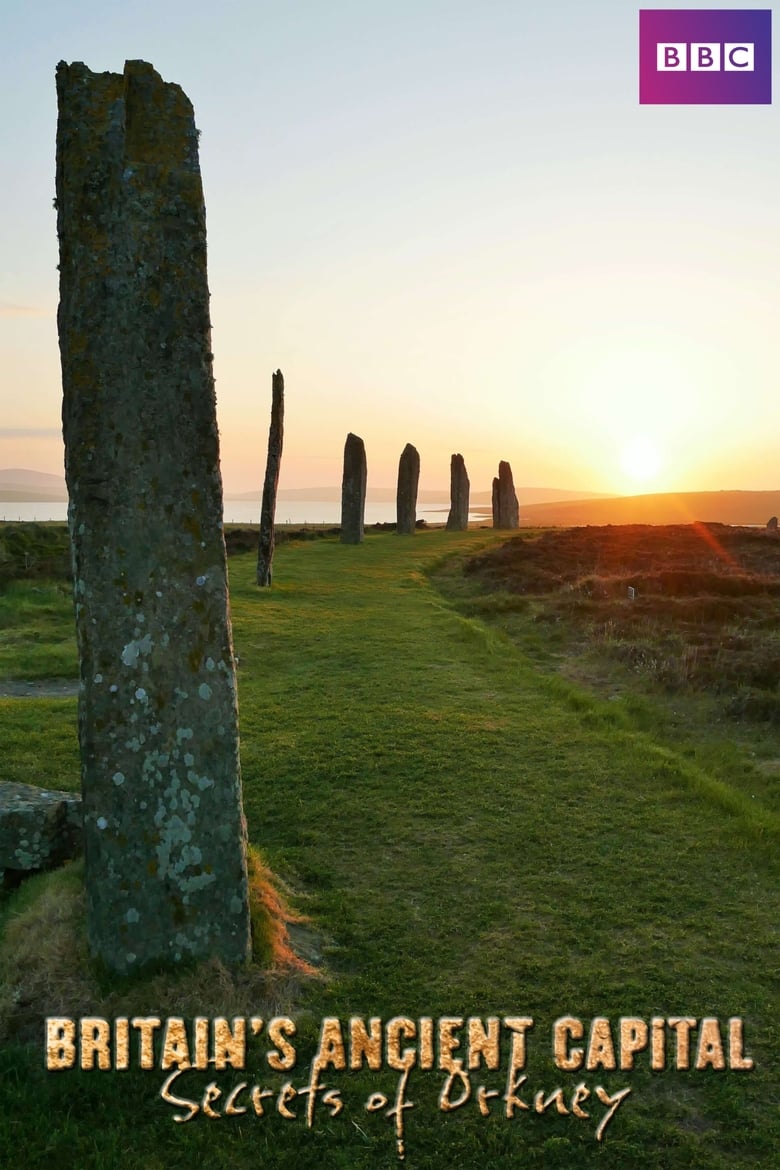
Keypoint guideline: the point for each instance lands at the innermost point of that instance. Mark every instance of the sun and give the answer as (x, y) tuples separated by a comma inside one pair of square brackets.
[(641, 460)]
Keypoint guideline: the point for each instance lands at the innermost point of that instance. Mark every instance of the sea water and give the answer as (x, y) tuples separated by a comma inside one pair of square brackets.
[(248, 512)]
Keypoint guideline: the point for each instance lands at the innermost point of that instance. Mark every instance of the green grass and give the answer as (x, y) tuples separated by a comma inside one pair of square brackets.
[(40, 743), (37, 631), (471, 838), (37, 642)]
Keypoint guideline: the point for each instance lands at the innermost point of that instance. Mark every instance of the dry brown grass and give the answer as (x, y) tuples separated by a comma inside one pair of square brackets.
[(272, 917), (45, 968)]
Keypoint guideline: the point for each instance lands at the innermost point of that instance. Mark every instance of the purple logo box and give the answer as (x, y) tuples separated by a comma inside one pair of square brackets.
[(705, 57)]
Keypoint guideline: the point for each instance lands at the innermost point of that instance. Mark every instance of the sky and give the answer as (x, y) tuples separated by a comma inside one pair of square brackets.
[(448, 223)]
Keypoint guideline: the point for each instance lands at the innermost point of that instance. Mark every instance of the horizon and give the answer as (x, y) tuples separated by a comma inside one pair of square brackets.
[(530, 497), (586, 291), (438, 494)]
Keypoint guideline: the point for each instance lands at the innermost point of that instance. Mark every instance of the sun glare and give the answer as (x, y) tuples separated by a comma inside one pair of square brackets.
[(641, 460)]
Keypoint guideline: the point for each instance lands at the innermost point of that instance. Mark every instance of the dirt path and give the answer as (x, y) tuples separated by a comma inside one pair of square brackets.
[(40, 688)]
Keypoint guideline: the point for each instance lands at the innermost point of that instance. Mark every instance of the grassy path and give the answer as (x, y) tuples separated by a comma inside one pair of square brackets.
[(472, 839)]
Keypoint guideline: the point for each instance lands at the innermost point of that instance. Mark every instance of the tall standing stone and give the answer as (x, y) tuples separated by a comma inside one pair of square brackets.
[(496, 505), (353, 490), (164, 829), (506, 511), (265, 544), (458, 519), (406, 495)]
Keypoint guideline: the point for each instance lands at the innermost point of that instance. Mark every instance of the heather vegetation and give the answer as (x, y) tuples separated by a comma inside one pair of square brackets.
[(677, 625)]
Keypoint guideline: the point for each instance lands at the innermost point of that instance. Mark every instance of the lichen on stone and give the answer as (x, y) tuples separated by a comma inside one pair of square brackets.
[(145, 513)]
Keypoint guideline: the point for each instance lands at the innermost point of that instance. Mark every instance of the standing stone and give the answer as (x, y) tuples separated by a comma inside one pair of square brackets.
[(164, 829), (406, 495), (265, 546), (506, 512), (458, 519), (353, 490)]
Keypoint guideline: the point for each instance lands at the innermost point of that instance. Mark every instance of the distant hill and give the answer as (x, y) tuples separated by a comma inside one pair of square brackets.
[(542, 507), (540, 495), (20, 484), (379, 495), (19, 476), (726, 507)]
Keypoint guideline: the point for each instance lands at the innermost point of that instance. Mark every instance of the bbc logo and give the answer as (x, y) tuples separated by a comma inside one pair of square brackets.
[(710, 57), (705, 56)]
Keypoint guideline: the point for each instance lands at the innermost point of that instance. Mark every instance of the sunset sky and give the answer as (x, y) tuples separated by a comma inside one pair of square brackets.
[(449, 223)]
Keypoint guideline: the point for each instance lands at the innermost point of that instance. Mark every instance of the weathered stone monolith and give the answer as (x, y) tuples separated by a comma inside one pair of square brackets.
[(164, 830), (353, 490), (265, 544), (406, 495), (458, 519), (506, 512)]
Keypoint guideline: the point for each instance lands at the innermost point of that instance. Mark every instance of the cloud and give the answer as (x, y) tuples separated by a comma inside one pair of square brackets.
[(7, 309), (30, 433)]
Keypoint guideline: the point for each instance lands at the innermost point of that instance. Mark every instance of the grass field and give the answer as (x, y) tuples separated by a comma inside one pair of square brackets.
[(471, 834)]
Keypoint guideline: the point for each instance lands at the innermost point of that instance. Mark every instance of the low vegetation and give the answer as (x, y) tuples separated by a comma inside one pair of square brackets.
[(478, 815), (677, 624), (30, 551)]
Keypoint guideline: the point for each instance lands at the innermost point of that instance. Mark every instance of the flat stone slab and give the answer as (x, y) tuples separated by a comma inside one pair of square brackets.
[(39, 828)]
